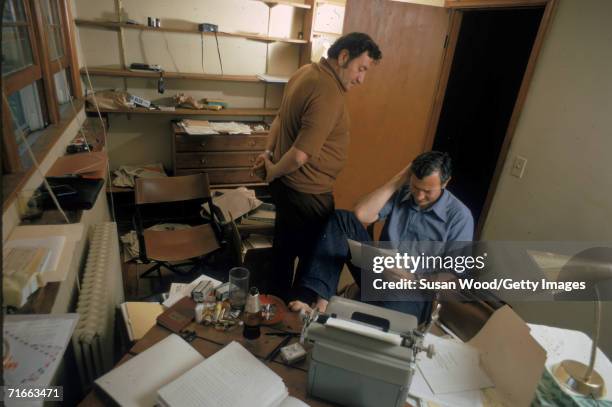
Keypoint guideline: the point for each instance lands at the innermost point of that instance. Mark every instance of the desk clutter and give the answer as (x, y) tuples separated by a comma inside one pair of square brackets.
[(232, 377)]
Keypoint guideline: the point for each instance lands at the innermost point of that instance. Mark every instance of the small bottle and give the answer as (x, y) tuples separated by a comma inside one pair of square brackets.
[(252, 315)]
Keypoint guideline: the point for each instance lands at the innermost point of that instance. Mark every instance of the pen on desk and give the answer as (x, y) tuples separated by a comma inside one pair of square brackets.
[(276, 350), (283, 334)]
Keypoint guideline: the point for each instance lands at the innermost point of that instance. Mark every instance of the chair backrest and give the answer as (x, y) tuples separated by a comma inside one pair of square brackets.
[(172, 189)]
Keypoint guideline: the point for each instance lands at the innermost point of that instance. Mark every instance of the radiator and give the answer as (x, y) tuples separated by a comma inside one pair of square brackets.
[(100, 294)]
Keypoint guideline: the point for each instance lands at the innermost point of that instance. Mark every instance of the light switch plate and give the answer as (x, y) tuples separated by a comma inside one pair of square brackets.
[(518, 166)]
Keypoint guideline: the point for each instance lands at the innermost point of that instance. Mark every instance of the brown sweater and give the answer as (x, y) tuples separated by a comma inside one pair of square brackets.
[(313, 118)]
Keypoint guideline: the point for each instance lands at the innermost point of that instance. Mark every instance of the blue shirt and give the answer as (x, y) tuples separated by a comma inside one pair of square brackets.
[(448, 219)]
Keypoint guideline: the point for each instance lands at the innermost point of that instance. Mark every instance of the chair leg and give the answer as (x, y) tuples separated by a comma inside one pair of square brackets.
[(156, 267)]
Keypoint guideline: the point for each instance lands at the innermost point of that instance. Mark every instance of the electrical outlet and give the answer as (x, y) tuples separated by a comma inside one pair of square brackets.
[(518, 167)]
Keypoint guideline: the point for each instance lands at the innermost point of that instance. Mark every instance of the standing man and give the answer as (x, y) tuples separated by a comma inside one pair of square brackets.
[(307, 149)]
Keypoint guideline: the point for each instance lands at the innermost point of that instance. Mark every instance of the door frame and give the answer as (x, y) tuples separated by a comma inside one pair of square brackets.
[(458, 7)]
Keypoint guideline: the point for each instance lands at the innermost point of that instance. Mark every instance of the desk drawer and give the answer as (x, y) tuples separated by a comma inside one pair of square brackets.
[(216, 160), (225, 175), (228, 142)]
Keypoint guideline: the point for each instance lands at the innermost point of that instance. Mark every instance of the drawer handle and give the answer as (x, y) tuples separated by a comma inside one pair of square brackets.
[(203, 160), (203, 144), (252, 143)]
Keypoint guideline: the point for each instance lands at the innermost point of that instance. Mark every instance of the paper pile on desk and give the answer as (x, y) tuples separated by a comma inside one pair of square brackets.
[(180, 290), (510, 357), (454, 368)]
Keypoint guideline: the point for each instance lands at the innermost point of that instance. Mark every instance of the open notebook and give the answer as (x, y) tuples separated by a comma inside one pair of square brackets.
[(134, 383), (232, 377)]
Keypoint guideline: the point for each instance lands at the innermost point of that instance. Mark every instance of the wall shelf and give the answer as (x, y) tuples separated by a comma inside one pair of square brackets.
[(272, 3), (126, 73), (116, 26), (192, 112)]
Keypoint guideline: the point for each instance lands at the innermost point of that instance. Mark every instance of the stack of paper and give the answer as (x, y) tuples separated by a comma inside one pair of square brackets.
[(179, 290), (24, 263), (232, 377), (197, 127)]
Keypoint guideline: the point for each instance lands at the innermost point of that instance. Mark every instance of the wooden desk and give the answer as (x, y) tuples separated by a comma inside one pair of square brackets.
[(209, 341)]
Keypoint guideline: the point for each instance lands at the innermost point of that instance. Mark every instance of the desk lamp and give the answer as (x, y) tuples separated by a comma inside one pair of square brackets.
[(594, 267)]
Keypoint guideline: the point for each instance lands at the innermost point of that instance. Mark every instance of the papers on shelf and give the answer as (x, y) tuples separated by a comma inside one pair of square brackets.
[(179, 290), (272, 78), (197, 127)]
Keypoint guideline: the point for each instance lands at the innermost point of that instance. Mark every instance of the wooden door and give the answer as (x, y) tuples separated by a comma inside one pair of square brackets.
[(390, 112)]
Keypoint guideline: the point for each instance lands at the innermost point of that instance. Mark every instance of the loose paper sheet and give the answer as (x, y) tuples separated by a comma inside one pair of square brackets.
[(455, 367)]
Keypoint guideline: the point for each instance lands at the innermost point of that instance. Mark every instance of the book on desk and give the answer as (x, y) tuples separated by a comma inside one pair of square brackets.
[(172, 373)]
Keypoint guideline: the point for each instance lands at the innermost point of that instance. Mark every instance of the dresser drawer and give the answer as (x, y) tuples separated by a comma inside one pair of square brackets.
[(216, 160), (228, 142), (225, 175)]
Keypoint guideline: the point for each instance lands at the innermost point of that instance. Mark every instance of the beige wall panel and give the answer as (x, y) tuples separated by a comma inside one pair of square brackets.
[(134, 141), (99, 47), (229, 15), (564, 132), (285, 21), (283, 59), (95, 9), (183, 52)]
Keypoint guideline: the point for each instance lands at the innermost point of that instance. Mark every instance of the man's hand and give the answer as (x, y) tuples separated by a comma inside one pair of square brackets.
[(269, 169), (259, 168)]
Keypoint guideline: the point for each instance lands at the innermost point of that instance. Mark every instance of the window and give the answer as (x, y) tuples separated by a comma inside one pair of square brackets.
[(55, 39), (37, 72), (16, 47)]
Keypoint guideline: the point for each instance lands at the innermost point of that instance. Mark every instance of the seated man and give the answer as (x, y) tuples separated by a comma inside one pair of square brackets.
[(416, 207)]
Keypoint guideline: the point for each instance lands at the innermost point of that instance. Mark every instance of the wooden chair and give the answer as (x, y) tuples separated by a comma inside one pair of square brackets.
[(177, 200)]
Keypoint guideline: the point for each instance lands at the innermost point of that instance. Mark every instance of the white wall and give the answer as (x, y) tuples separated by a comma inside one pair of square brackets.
[(146, 139), (565, 132)]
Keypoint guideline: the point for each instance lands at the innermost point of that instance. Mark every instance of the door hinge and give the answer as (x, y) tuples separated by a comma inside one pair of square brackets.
[(446, 41)]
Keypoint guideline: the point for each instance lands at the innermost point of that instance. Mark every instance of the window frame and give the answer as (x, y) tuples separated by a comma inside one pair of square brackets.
[(40, 74)]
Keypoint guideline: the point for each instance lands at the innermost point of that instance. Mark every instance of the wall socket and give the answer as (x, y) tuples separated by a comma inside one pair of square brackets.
[(518, 166)]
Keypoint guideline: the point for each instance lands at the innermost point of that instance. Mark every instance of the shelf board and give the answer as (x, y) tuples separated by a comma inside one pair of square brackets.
[(192, 112), (272, 3), (115, 26), (126, 73)]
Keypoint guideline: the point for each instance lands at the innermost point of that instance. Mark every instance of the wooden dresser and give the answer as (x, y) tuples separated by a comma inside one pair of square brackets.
[(227, 158)]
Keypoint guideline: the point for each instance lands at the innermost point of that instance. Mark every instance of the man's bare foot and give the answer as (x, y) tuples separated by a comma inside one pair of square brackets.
[(299, 306), (321, 304)]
